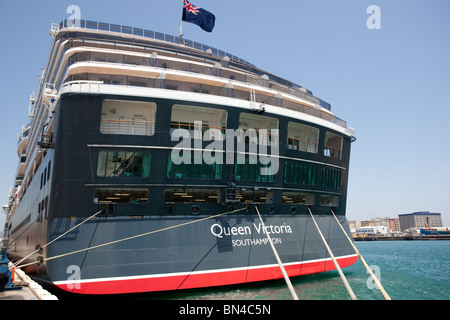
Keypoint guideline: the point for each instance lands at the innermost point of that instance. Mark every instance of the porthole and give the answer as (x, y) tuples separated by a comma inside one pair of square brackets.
[(195, 210)]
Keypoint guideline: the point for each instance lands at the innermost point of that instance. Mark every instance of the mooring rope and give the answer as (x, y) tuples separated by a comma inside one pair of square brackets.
[(375, 279), (283, 271), (17, 264), (338, 268), (130, 238)]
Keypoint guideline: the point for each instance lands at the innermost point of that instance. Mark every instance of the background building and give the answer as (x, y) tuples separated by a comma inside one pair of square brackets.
[(421, 219), (367, 223), (394, 225), (391, 223), (372, 230), (352, 224)]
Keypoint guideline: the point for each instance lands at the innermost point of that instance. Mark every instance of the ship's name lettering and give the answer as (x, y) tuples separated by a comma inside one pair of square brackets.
[(254, 242), (220, 231)]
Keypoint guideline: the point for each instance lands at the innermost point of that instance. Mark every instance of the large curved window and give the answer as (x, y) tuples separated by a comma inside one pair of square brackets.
[(195, 168), (198, 121), (300, 174), (301, 137), (128, 117), (251, 124), (331, 178), (333, 145), (252, 172), (123, 164)]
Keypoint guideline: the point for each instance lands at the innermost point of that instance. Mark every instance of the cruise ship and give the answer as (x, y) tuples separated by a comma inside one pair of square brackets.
[(148, 158)]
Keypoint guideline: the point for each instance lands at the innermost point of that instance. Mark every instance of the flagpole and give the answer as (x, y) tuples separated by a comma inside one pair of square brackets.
[(181, 26), (181, 30)]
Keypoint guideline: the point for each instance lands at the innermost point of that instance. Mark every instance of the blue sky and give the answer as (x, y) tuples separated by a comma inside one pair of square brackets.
[(390, 84)]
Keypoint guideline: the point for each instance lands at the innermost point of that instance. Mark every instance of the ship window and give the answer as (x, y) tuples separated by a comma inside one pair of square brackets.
[(298, 198), (123, 164), (256, 196), (46, 206), (128, 117), (121, 195), (302, 138), (194, 168), (252, 172), (251, 196), (333, 145), (256, 122), (191, 195), (39, 218), (48, 171), (329, 200), (184, 117), (300, 173), (331, 178)]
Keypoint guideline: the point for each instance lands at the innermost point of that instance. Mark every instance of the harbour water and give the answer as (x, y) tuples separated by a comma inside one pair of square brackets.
[(408, 270)]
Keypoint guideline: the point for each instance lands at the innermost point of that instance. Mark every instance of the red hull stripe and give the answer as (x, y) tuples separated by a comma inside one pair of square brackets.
[(210, 278)]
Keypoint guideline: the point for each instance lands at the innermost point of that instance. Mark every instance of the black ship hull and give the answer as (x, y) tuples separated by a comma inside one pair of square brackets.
[(188, 254)]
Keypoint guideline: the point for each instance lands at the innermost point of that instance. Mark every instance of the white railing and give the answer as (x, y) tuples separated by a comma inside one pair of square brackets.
[(83, 85), (128, 127)]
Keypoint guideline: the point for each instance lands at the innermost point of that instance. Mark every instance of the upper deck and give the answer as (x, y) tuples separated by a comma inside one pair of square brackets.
[(122, 55), (181, 46)]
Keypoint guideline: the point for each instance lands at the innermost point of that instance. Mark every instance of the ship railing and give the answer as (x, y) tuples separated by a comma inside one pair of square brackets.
[(127, 126), (83, 85), (94, 87), (191, 127), (247, 75), (24, 134), (199, 132), (302, 145), (332, 152), (103, 26)]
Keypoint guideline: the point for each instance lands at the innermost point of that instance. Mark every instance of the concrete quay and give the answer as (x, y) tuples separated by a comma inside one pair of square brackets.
[(30, 289), (399, 238)]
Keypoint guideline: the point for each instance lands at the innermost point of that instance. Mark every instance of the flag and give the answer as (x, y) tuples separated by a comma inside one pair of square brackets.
[(204, 19)]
